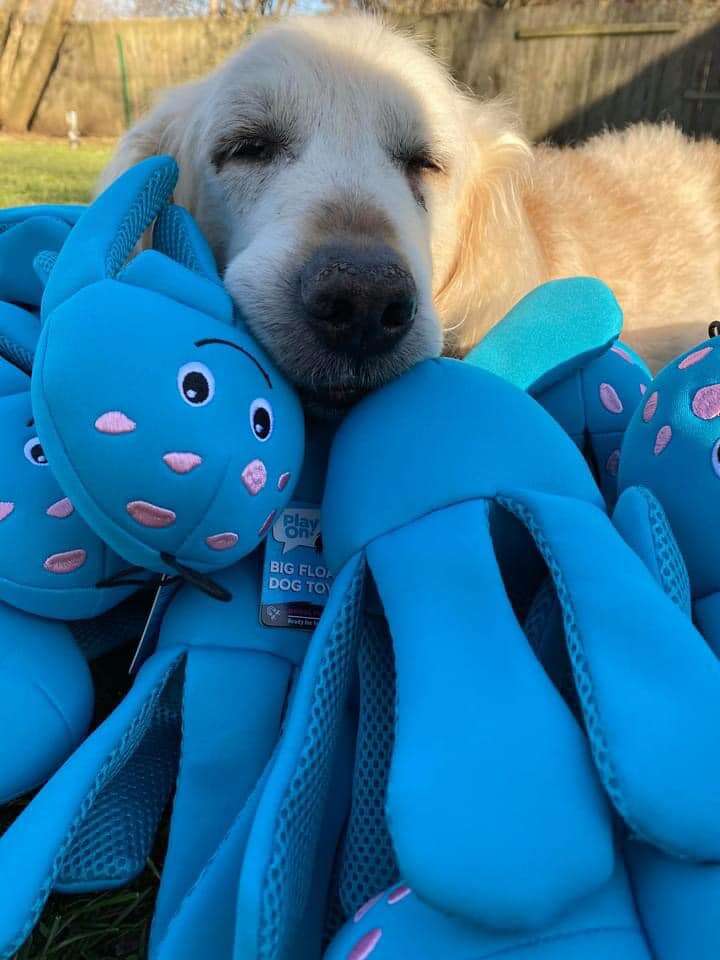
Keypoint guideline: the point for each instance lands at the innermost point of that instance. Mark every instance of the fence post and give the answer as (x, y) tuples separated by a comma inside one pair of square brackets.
[(127, 105)]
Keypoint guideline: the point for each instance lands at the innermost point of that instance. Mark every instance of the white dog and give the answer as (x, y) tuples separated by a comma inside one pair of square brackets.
[(364, 211)]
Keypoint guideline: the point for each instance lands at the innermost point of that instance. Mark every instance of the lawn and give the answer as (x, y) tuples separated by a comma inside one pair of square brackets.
[(44, 170)]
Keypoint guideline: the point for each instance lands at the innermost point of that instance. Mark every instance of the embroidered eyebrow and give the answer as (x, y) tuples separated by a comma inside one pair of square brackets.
[(235, 346)]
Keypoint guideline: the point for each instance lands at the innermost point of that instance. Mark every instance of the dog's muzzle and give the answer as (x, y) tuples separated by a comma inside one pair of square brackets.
[(359, 300)]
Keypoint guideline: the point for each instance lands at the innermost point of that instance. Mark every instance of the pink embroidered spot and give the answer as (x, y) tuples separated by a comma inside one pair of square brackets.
[(695, 357), (643, 389), (182, 462), (612, 463), (66, 562), (366, 907), (60, 509), (610, 399), (283, 480), (622, 353), (222, 541), (6, 508), (254, 476), (114, 421), (663, 438), (650, 407), (706, 402), (398, 894), (267, 523), (150, 515), (365, 945)]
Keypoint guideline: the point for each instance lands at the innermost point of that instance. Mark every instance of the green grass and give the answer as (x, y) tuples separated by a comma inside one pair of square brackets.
[(44, 170)]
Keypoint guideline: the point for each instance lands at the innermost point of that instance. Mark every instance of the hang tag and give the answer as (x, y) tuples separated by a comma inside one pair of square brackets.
[(295, 582), (147, 644)]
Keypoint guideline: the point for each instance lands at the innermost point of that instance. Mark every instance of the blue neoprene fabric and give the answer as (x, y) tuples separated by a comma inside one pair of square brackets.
[(595, 404), (560, 344), (50, 560), (670, 453), (175, 436), (26, 232), (46, 699), (400, 924), (205, 715), (543, 817), (92, 826), (419, 514), (554, 329)]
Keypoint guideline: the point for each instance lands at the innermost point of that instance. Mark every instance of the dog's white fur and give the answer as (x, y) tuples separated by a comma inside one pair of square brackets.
[(354, 104)]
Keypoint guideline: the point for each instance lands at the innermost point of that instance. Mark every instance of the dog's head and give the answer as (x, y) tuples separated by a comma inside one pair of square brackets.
[(327, 163)]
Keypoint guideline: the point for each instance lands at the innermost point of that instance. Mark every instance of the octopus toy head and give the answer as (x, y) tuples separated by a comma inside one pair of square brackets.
[(175, 436), (672, 447), (50, 559), (595, 403)]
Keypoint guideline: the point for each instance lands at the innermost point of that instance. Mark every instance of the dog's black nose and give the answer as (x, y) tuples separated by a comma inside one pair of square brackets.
[(358, 300)]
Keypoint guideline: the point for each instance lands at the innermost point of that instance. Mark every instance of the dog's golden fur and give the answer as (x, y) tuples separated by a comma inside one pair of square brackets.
[(640, 209), (489, 220)]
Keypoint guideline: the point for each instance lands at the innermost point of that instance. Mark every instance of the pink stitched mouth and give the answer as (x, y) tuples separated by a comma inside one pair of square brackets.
[(398, 895), (65, 562), (6, 508), (182, 462), (254, 476), (60, 509), (222, 541), (114, 422), (149, 514), (283, 481), (366, 945)]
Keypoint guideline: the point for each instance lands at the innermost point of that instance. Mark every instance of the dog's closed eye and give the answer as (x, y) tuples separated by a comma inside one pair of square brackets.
[(423, 161), (258, 146)]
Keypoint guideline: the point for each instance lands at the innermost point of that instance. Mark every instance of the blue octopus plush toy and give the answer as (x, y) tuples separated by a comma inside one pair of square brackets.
[(51, 562), (671, 453), (158, 415), (189, 418), (493, 865), (456, 715), (576, 368)]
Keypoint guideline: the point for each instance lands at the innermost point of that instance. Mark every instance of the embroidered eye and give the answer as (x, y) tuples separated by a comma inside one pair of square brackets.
[(196, 384), (34, 453), (261, 419), (716, 457)]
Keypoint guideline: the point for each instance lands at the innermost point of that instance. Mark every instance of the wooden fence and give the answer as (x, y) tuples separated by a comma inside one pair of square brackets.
[(109, 71), (571, 67), (574, 68)]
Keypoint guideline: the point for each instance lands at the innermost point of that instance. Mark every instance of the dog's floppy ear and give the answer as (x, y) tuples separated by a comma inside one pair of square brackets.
[(492, 233), (171, 128)]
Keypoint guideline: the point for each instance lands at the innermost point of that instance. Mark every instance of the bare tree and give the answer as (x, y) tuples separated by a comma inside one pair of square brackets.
[(31, 86), (10, 36)]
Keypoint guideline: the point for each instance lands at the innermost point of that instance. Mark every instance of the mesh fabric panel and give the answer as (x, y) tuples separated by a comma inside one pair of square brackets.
[(116, 836), (16, 354), (581, 671), (76, 860), (671, 566), (123, 624), (290, 869), (368, 863)]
